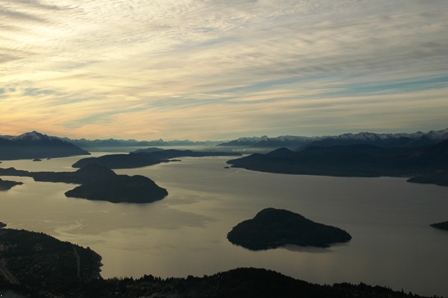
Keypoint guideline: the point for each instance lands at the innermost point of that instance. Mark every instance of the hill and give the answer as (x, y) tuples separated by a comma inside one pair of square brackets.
[(416, 139), (35, 262), (430, 162), (34, 145)]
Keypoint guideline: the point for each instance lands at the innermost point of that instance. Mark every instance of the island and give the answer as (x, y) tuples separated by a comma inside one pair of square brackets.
[(2, 225), (441, 225), (7, 185), (39, 265), (146, 157), (100, 183), (428, 164), (120, 189), (272, 228)]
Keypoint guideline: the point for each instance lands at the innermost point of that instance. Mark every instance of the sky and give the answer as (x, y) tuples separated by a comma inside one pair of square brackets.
[(222, 69)]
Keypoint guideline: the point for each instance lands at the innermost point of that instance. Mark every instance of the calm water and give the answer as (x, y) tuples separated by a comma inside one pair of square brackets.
[(185, 234)]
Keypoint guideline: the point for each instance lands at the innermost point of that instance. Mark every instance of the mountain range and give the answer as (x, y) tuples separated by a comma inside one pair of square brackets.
[(407, 140), (113, 143), (34, 145)]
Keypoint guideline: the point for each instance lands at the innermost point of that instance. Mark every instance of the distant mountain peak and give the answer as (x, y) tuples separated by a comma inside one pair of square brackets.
[(37, 145), (31, 136), (243, 139), (438, 134), (379, 139)]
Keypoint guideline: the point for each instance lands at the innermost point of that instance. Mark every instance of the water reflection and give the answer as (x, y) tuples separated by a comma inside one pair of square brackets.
[(308, 249)]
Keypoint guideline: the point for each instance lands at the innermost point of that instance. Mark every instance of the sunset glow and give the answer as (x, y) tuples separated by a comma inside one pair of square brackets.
[(222, 69)]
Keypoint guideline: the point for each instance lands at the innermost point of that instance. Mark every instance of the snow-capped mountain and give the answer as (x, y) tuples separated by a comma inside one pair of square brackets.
[(416, 139), (117, 143), (31, 136), (244, 141), (284, 141), (438, 135), (433, 135), (33, 145)]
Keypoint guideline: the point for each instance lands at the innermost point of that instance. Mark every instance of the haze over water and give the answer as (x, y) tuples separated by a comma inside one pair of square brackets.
[(185, 233)]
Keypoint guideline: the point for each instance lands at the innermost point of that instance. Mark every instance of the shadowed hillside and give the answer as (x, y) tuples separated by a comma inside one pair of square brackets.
[(430, 162), (34, 145)]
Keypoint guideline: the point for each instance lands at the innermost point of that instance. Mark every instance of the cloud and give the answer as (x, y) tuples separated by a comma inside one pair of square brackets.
[(149, 67), (36, 92)]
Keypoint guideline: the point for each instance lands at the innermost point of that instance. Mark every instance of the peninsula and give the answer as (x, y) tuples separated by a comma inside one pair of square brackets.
[(6, 184), (272, 228), (441, 225), (428, 164), (100, 183), (145, 157)]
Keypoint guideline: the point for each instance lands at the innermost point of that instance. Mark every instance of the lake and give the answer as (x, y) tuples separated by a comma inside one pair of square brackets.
[(185, 233)]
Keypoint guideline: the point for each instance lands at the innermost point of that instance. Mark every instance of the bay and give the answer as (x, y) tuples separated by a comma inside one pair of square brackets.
[(185, 233)]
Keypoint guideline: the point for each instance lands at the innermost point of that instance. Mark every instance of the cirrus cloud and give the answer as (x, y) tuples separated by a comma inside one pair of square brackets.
[(220, 69)]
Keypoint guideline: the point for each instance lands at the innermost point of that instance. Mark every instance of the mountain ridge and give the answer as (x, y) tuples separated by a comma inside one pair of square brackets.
[(427, 164), (415, 139), (34, 145), (111, 143)]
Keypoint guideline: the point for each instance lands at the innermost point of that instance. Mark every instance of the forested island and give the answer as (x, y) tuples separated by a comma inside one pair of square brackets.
[(428, 164), (272, 228), (145, 157), (38, 265), (6, 184), (100, 183), (120, 189)]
